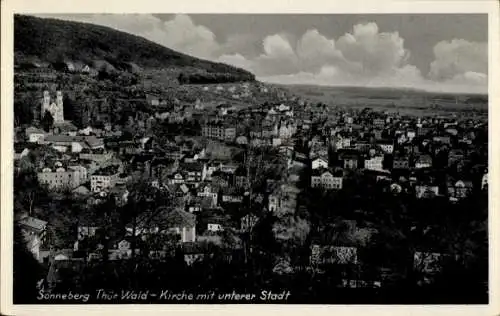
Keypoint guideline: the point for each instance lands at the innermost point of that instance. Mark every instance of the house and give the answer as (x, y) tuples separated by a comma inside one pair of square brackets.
[(374, 163), (68, 128), (350, 162), (194, 172), (378, 122), (35, 135), (424, 131), (104, 178), (62, 178), (424, 161), (231, 195), (319, 163), (387, 147), (459, 190), (84, 231), (207, 190), (323, 178), (214, 227), (400, 163), (74, 143), (34, 233)]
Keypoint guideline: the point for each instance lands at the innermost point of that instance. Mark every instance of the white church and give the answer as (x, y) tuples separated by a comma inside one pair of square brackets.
[(55, 108)]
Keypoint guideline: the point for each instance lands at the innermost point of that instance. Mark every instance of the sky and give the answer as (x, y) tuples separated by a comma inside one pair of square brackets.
[(434, 52)]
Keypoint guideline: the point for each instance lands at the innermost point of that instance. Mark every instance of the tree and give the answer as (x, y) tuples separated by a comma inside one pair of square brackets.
[(27, 271), (47, 121)]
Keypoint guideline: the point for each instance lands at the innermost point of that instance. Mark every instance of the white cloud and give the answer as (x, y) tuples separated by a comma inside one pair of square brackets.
[(377, 52), (457, 57), (183, 35), (315, 50)]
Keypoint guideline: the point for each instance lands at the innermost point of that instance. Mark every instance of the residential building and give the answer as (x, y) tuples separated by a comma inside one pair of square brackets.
[(104, 178), (323, 178), (208, 191), (60, 178), (319, 163), (350, 162), (374, 163), (35, 135), (459, 190), (400, 163), (74, 144), (194, 172), (386, 147)]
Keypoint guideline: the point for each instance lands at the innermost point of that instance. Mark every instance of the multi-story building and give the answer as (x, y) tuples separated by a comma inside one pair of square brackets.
[(194, 172), (319, 163), (400, 163), (104, 178), (229, 134), (74, 144), (35, 135), (374, 163), (386, 147), (323, 178), (61, 178), (350, 162), (219, 131), (378, 122)]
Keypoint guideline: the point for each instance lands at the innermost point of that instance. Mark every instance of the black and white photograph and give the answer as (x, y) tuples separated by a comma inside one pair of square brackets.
[(249, 158)]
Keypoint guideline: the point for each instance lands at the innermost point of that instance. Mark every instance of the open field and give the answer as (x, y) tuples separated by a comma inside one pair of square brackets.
[(393, 100)]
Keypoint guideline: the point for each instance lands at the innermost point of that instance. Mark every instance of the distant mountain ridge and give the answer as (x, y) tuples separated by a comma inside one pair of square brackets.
[(52, 40)]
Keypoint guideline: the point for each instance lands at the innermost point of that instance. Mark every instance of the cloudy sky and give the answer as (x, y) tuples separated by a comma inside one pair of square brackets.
[(428, 51)]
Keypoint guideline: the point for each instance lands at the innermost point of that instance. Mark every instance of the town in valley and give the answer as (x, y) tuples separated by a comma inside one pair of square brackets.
[(134, 178)]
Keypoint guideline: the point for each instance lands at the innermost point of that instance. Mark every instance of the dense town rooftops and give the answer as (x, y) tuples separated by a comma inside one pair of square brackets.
[(107, 171)]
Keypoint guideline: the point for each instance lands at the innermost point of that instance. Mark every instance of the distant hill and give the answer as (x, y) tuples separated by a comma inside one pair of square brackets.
[(52, 40)]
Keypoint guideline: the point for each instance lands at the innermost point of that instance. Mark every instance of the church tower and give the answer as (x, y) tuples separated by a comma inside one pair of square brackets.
[(59, 112), (55, 108), (45, 103)]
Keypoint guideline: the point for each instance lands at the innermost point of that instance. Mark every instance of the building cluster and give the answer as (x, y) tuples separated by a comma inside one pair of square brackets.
[(225, 168)]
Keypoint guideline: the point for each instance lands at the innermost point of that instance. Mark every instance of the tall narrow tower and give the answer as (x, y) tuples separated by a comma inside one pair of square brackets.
[(59, 108), (45, 103)]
